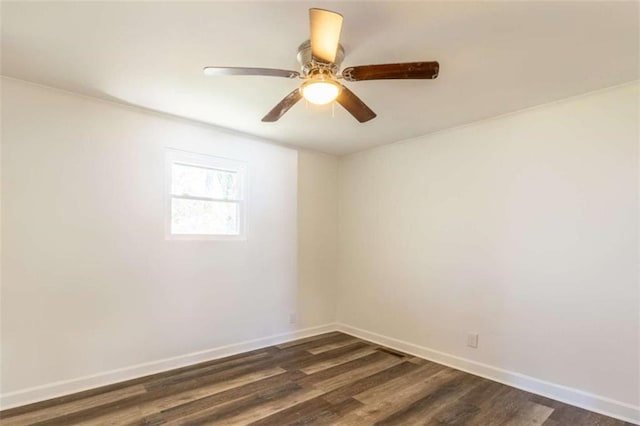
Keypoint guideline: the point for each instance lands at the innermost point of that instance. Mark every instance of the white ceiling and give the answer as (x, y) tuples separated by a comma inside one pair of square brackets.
[(495, 57)]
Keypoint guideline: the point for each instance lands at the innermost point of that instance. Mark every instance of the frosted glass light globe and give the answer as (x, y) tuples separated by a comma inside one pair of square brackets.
[(320, 92)]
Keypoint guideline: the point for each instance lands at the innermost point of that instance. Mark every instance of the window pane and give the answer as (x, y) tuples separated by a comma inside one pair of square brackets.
[(204, 217), (202, 182)]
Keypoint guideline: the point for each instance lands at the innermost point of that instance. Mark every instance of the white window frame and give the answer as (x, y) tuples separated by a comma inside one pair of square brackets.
[(206, 161)]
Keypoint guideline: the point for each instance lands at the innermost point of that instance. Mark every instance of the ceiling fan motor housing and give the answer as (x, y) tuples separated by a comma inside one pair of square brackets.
[(310, 65)]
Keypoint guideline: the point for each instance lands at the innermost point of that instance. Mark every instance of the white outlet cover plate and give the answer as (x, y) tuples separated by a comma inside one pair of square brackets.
[(472, 340)]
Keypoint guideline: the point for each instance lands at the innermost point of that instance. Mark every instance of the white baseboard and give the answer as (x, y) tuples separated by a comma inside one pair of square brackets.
[(571, 396), (66, 387)]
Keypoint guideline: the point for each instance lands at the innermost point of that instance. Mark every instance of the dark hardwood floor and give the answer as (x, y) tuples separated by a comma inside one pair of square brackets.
[(332, 379)]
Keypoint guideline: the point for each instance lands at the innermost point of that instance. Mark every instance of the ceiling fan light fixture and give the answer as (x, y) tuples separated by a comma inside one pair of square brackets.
[(320, 91), (320, 60)]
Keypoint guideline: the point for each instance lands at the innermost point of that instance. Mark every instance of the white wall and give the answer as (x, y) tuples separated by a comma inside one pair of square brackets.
[(522, 228), (317, 238), (89, 283)]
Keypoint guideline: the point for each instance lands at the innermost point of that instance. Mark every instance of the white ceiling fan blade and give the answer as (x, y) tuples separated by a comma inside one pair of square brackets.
[(325, 34)]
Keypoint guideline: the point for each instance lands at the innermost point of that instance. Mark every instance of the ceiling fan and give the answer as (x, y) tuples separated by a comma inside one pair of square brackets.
[(320, 59)]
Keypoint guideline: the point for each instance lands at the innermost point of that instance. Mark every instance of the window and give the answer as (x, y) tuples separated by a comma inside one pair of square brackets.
[(205, 197)]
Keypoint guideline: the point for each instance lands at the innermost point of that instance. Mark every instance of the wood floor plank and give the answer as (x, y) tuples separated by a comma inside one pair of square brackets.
[(330, 379), (275, 406), (305, 359), (353, 388), (253, 407), (331, 415), (358, 373), (179, 391), (345, 407), (426, 408), (221, 413), (531, 414), (568, 415), (198, 393), (341, 359), (398, 385), (378, 406), (217, 374), (109, 388), (59, 410), (133, 414), (117, 418), (418, 361), (500, 407), (461, 410), (330, 346), (311, 379), (204, 370), (455, 413), (202, 404), (304, 413)]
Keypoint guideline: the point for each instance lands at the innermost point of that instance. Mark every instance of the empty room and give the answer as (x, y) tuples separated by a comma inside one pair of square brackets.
[(320, 213)]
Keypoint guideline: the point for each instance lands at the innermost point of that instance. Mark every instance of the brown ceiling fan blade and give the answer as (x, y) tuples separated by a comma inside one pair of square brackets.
[(325, 27), (270, 72), (284, 106), (355, 106), (408, 70)]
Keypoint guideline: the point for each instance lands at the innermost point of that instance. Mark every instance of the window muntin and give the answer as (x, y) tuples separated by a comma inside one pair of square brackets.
[(206, 197)]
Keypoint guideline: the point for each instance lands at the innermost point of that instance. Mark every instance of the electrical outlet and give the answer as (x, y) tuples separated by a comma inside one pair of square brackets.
[(292, 318), (472, 340)]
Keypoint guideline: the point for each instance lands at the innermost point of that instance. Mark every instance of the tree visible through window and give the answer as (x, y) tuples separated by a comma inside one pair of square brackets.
[(206, 197)]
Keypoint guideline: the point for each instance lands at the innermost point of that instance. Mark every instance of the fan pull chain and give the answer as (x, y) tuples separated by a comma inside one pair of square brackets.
[(333, 109)]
